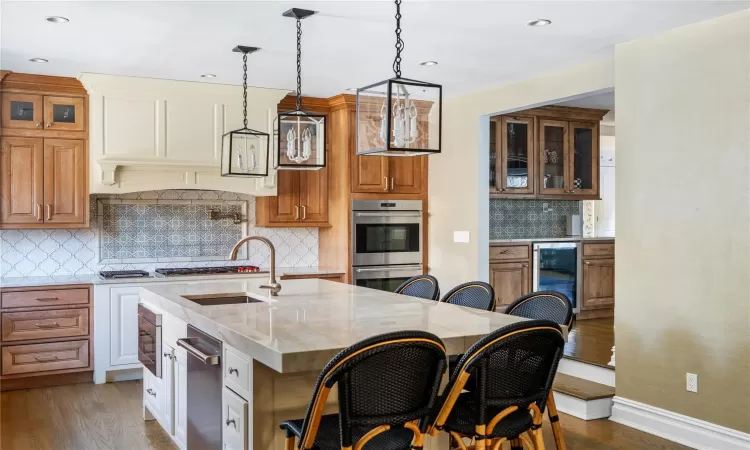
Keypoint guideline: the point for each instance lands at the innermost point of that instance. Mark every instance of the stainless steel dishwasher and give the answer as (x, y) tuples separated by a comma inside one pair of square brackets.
[(203, 389)]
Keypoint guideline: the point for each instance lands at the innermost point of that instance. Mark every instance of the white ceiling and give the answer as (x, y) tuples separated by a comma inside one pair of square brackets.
[(347, 44)]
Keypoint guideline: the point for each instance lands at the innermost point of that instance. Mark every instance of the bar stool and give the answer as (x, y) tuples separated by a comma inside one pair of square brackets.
[(422, 286), (387, 388), (475, 294), (512, 369), (556, 307)]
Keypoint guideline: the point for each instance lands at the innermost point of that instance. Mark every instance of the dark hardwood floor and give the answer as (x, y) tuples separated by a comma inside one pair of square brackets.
[(108, 416), (591, 341)]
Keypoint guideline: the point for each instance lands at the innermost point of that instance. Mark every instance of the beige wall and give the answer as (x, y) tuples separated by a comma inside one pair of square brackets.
[(683, 220), (459, 175)]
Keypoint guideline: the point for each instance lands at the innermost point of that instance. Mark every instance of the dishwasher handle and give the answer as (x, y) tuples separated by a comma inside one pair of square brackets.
[(187, 344)]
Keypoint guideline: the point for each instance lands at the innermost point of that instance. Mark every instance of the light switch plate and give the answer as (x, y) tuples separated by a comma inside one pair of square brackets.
[(461, 236)]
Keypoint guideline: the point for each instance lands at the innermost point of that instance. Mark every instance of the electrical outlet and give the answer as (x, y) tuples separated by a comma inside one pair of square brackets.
[(692, 383)]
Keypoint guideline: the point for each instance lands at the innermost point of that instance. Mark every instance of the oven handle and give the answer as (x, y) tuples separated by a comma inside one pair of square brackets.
[(387, 268), (388, 214), (210, 360)]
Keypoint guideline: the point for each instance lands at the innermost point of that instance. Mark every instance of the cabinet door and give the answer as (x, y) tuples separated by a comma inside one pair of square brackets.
[(515, 162), (234, 418), (598, 284), (370, 174), (406, 174), (167, 376), (553, 154), (313, 191), (509, 280), (285, 207), (22, 111), (65, 193), (584, 158), (180, 397), (21, 181), (64, 113), (123, 325)]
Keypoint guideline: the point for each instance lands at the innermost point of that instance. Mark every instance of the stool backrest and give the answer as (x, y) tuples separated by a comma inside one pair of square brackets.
[(475, 294), (550, 305), (389, 379), (422, 286)]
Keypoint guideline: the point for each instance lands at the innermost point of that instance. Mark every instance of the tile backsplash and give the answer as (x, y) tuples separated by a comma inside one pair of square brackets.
[(145, 230), (519, 219)]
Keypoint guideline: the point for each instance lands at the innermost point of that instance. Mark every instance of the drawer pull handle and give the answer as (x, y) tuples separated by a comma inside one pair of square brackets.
[(151, 392), (45, 299), (504, 252), (233, 370), (46, 358), (167, 355), (231, 422), (48, 325)]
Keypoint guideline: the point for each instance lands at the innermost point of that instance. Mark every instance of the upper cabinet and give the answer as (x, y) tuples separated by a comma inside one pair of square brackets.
[(43, 155), (547, 152), (150, 134)]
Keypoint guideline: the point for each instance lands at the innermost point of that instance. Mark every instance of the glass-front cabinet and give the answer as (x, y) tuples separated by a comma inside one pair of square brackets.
[(515, 168), (553, 152), (22, 111), (43, 112), (584, 158)]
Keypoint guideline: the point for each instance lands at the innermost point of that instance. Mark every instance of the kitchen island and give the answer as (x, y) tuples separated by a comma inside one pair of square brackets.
[(274, 350)]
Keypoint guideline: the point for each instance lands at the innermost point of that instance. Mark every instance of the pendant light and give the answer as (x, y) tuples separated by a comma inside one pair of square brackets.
[(244, 152), (301, 138), (399, 116)]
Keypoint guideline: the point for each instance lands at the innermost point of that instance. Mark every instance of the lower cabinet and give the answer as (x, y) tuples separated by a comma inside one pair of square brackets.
[(234, 417), (123, 325), (510, 280), (598, 286), (180, 397)]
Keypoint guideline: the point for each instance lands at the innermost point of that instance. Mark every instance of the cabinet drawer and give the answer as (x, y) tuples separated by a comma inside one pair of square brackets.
[(19, 326), (49, 297), (509, 252), (599, 249), (234, 420), (45, 357), (237, 375), (153, 395)]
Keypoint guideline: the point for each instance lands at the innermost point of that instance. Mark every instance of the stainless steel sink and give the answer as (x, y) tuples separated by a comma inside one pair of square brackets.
[(221, 299)]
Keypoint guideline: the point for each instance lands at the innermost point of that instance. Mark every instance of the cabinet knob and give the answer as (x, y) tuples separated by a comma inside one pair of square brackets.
[(49, 124), (525, 265), (151, 392), (587, 262), (232, 370), (167, 355), (39, 124), (231, 422)]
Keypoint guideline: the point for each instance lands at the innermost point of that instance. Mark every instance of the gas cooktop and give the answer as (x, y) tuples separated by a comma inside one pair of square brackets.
[(218, 270)]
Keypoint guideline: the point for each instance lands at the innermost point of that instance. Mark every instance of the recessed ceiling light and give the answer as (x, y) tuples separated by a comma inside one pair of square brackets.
[(208, 75), (39, 60), (57, 19), (428, 63), (538, 22)]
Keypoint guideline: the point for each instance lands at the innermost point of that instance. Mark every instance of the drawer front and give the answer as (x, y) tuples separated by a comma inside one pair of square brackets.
[(510, 252), (49, 297), (19, 326), (153, 395), (45, 357), (599, 249), (237, 375), (234, 420)]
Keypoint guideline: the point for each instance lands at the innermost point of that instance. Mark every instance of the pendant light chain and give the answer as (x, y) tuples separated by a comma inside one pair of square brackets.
[(299, 65), (399, 42), (244, 89)]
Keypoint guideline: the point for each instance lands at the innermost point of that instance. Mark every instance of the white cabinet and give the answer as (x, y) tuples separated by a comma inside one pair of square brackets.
[(180, 397), (123, 325), (153, 395), (237, 372), (167, 377), (234, 418)]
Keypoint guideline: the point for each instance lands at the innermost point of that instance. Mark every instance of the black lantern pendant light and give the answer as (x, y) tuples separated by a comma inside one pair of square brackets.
[(399, 116), (244, 152), (301, 139)]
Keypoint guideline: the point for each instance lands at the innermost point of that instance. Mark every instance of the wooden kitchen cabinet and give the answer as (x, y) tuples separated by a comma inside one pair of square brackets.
[(65, 180), (22, 111), (301, 200), (515, 164), (510, 273), (22, 183), (370, 174), (38, 112), (598, 281), (64, 113)]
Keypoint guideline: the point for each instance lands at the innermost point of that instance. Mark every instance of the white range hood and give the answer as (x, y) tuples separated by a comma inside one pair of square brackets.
[(150, 134)]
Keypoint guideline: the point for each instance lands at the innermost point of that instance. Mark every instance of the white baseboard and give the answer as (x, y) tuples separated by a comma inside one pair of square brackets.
[(678, 428), (591, 372), (586, 410)]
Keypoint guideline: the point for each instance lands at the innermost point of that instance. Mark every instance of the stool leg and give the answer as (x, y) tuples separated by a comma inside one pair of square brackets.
[(555, 421), (289, 443), (515, 444)]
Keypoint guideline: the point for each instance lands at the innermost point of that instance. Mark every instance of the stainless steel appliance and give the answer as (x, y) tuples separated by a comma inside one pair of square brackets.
[(385, 278), (204, 376), (386, 232), (149, 340), (557, 267)]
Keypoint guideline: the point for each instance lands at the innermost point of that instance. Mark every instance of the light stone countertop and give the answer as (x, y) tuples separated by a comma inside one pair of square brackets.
[(563, 239), (92, 278), (312, 320)]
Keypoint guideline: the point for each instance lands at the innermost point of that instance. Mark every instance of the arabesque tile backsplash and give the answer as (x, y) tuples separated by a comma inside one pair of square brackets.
[(152, 229), (522, 219)]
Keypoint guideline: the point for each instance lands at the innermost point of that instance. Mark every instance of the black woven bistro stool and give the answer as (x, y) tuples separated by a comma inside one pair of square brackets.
[(422, 286), (556, 307), (387, 387), (475, 294), (513, 369)]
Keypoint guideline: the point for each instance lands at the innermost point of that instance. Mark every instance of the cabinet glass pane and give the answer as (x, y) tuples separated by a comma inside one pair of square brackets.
[(554, 157), (21, 111), (583, 147), (517, 160), (64, 113)]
